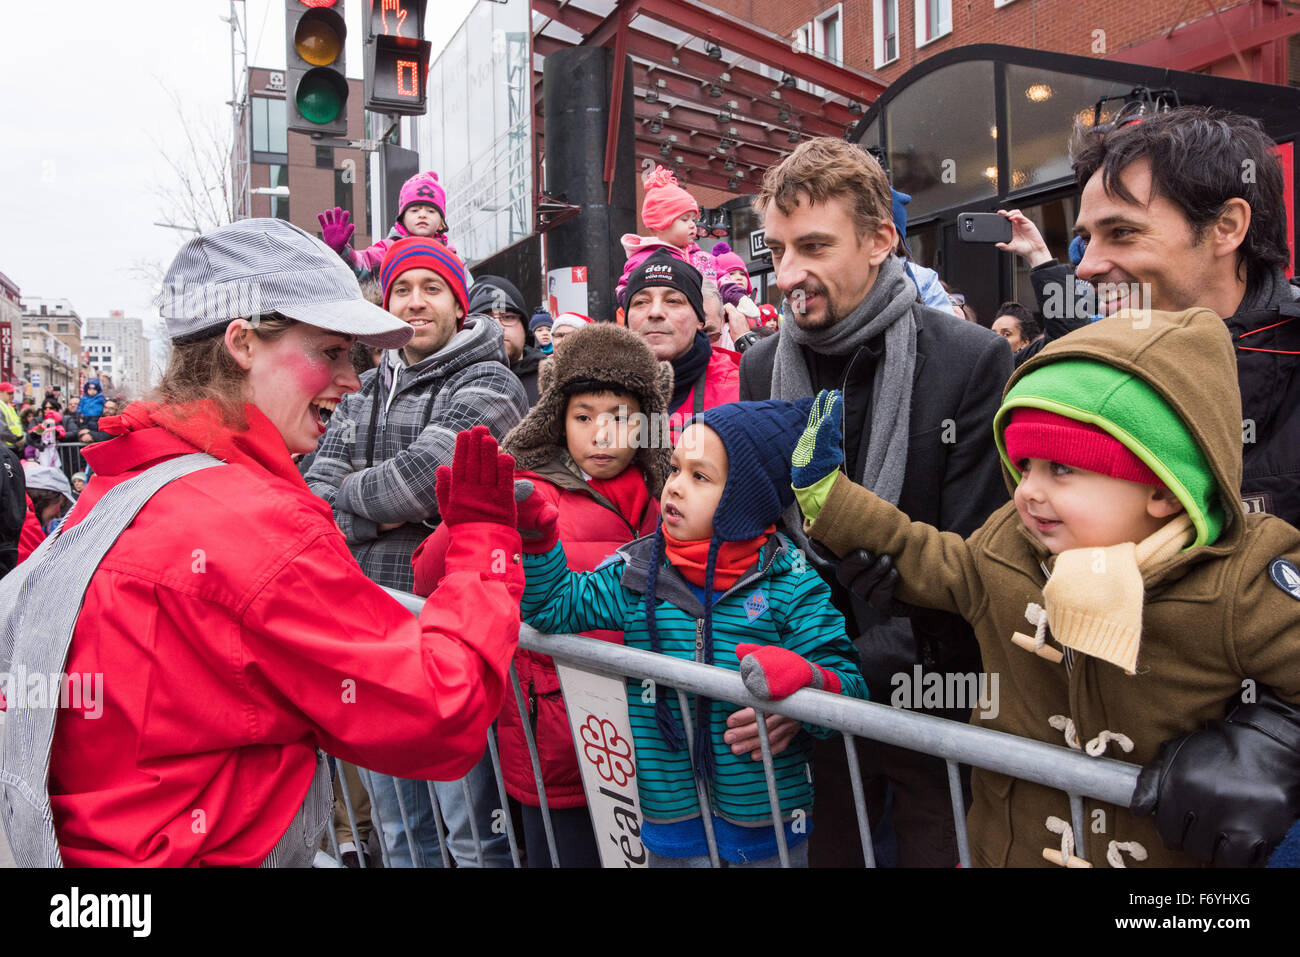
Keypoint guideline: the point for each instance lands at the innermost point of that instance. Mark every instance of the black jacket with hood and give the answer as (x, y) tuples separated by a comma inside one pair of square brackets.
[(491, 293)]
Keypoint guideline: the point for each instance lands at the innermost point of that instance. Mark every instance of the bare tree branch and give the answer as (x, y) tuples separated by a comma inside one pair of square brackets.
[(198, 192)]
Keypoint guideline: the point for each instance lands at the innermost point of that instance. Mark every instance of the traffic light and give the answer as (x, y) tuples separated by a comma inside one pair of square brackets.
[(397, 57), (315, 36)]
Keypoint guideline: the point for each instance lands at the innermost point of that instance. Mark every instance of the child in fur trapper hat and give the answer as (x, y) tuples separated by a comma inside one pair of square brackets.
[(1124, 595), (670, 213), (594, 454), (716, 584)]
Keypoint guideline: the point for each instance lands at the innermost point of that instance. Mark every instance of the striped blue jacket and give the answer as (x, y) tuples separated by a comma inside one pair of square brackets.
[(781, 600)]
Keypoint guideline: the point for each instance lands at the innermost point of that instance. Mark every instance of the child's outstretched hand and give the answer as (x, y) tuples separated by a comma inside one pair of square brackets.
[(536, 519), (819, 453), (770, 671), (480, 485), (335, 228)]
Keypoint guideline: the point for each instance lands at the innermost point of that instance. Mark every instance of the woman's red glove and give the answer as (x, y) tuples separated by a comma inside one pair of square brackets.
[(480, 485), (536, 520), (770, 671)]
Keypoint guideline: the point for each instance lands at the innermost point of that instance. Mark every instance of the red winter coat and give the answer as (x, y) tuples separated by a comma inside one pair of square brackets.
[(236, 634), (32, 534), (721, 385), (591, 531)]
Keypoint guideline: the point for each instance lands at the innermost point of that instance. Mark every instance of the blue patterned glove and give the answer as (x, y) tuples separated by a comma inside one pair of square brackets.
[(819, 453)]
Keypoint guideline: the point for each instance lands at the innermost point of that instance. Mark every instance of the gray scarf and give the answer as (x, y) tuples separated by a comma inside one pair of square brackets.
[(888, 310)]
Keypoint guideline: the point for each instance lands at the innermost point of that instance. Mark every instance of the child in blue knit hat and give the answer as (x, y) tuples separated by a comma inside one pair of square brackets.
[(715, 583)]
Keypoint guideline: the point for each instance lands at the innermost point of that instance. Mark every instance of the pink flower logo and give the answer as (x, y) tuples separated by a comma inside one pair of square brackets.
[(608, 751)]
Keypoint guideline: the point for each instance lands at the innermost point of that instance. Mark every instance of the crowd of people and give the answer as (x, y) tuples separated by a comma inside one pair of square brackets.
[(1095, 498), (45, 440)]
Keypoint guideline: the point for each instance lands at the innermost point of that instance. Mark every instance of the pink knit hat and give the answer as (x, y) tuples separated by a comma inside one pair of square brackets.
[(729, 260), (664, 200), (422, 188)]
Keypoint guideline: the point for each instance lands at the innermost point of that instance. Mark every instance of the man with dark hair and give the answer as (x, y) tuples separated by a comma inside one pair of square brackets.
[(920, 392), (501, 299), (1017, 325), (1185, 208)]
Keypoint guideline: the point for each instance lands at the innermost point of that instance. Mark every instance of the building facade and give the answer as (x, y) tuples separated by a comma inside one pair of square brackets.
[(11, 330), (46, 364), (116, 345), (52, 330), (889, 37)]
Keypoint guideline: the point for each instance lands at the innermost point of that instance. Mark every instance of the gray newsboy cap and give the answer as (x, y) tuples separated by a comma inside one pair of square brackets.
[(259, 266)]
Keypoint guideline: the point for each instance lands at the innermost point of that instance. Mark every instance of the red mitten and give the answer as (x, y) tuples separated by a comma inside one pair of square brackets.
[(536, 518), (770, 671), (480, 485)]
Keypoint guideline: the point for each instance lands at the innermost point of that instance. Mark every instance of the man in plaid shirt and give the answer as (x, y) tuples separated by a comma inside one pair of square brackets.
[(376, 465)]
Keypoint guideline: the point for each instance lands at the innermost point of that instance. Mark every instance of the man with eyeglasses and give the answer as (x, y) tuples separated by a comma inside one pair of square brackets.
[(499, 298)]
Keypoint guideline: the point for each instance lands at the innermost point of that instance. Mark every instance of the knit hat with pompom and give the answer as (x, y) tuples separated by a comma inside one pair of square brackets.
[(664, 200)]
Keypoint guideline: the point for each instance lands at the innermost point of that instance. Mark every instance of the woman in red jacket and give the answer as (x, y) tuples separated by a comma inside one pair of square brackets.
[(596, 447), (225, 632)]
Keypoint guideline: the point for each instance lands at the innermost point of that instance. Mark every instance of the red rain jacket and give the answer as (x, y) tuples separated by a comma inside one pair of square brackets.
[(721, 385), (236, 634), (31, 536)]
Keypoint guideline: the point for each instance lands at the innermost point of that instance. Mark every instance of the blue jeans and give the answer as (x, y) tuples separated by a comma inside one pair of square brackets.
[(486, 802)]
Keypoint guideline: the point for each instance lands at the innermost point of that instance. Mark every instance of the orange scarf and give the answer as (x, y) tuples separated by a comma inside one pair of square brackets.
[(734, 558)]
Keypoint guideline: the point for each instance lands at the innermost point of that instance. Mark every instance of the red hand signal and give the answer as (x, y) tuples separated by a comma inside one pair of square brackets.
[(398, 10)]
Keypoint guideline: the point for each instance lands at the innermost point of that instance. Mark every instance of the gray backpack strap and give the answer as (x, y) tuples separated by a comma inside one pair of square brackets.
[(40, 601)]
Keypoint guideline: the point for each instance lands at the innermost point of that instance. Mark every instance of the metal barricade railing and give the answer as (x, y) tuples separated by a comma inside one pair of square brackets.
[(70, 458), (1078, 775)]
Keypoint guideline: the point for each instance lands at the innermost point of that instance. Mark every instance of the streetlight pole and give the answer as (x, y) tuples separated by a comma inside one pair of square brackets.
[(241, 173)]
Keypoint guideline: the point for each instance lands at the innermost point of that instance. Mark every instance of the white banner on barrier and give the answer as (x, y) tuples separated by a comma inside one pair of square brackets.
[(602, 736)]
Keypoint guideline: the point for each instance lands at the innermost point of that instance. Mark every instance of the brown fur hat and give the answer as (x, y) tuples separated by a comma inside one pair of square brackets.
[(599, 352)]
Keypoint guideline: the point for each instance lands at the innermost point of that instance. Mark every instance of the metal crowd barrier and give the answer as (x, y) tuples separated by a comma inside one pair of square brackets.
[(70, 458), (1079, 776)]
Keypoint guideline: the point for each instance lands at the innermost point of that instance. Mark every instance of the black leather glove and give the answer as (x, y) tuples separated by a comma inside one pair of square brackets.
[(868, 576), (1228, 793)]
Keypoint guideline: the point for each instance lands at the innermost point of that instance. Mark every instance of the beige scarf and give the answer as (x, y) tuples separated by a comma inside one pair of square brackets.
[(1094, 597)]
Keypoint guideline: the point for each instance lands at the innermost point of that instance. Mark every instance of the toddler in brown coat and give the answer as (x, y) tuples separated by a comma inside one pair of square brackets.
[(1124, 597)]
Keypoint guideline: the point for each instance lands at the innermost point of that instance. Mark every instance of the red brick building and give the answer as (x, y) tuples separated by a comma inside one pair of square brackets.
[(1194, 35), (1245, 39)]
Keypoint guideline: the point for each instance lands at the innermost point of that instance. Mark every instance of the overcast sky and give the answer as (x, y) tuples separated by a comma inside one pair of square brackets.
[(83, 100)]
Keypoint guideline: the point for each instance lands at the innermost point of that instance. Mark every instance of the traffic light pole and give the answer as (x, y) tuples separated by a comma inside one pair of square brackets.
[(368, 146)]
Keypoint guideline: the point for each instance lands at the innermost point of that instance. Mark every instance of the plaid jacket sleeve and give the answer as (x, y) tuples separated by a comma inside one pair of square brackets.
[(401, 489), (333, 463)]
